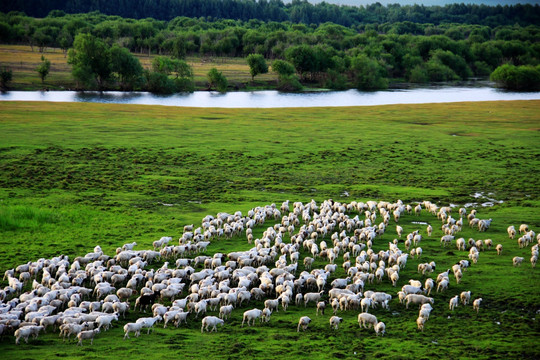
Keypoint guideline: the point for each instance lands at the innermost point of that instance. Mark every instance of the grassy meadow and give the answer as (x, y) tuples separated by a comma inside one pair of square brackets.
[(23, 61), (73, 176)]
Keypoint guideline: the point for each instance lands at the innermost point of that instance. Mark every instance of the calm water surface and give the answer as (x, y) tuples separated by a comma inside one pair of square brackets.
[(275, 99)]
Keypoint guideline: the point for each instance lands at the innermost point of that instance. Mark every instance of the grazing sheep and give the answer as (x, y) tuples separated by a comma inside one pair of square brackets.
[(380, 328), (417, 300), (453, 302), (465, 297), (85, 335), (211, 321), (366, 318), (523, 228), (420, 322), (320, 307), (511, 232), (443, 285), (132, 327), (517, 260), (335, 321), (225, 311), (476, 304), (253, 314), (499, 249), (303, 323), (266, 313)]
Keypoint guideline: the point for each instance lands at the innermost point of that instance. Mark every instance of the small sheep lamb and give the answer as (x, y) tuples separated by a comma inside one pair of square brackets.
[(380, 328), (453, 302), (517, 260), (476, 304), (335, 321), (303, 323)]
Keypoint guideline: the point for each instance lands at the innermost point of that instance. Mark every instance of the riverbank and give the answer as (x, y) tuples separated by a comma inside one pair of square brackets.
[(23, 61)]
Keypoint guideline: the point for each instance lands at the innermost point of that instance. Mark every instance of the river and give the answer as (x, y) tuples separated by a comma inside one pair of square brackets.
[(275, 99)]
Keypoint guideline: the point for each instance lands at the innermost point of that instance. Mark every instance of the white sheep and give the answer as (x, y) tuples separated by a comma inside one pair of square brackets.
[(476, 304), (511, 232), (465, 297), (335, 321), (499, 249), (380, 328), (211, 321), (85, 335), (321, 305), (303, 323), (266, 313), (311, 297), (225, 311), (26, 331), (420, 322), (366, 318), (425, 311), (534, 260), (443, 285), (106, 320), (148, 322), (417, 300), (132, 327), (517, 260), (180, 317), (453, 302), (253, 314)]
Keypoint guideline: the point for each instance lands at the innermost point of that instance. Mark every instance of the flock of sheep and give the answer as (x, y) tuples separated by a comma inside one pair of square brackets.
[(87, 295)]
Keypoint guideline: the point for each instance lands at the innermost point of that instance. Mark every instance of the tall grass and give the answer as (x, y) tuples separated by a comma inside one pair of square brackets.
[(24, 217)]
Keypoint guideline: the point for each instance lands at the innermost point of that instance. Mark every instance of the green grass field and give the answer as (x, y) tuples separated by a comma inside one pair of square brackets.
[(73, 176)]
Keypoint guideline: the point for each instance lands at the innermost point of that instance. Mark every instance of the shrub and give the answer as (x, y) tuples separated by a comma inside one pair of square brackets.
[(520, 78)]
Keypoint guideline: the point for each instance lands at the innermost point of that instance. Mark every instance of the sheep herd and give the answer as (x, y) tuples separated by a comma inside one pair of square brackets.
[(86, 296)]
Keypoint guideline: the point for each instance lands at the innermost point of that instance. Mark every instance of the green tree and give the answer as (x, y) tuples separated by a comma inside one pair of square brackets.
[(90, 58), (303, 58), (519, 78), (283, 68), (6, 75), (217, 80), (159, 83), (43, 68), (127, 67), (257, 65), (368, 73)]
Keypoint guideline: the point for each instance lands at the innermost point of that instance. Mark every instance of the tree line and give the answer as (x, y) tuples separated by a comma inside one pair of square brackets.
[(297, 11), (369, 56)]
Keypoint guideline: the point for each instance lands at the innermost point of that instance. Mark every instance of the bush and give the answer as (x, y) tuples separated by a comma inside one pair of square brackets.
[(437, 71), (184, 85), (6, 75), (159, 83), (289, 84), (336, 81), (216, 80), (368, 73), (520, 78), (419, 75)]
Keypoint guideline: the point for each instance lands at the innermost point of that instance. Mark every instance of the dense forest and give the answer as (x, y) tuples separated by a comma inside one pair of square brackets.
[(298, 11), (366, 55)]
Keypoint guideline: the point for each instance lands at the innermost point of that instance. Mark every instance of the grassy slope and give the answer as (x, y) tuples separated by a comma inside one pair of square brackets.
[(23, 62), (76, 175)]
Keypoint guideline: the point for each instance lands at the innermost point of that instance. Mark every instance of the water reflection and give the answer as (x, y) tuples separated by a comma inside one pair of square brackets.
[(275, 99)]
